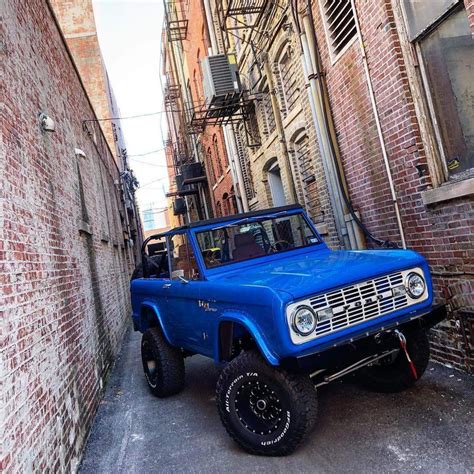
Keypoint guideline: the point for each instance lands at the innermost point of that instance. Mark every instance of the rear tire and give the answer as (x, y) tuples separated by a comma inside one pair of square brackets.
[(395, 375), (266, 410), (163, 364)]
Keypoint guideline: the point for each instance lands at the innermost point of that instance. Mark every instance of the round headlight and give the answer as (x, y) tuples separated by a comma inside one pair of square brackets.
[(304, 320), (415, 285)]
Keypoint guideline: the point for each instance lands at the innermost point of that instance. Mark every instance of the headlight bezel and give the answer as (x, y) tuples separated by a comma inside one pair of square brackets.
[(410, 276), (294, 314)]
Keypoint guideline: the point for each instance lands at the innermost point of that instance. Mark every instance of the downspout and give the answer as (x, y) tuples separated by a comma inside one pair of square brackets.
[(379, 128), (316, 103), (229, 138), (280, 132)]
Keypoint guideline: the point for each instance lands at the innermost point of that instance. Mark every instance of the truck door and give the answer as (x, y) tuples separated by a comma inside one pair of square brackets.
[(192, 325)]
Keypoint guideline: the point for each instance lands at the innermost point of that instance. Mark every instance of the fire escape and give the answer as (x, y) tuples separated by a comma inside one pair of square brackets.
[(176, 20)]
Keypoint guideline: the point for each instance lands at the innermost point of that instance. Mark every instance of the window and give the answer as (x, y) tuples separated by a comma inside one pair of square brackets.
[(340, 25), (218, 209), (210, 166), (217, 156), (244, 159), (254, 237), (287, 81), (182, 261), (446, 51)]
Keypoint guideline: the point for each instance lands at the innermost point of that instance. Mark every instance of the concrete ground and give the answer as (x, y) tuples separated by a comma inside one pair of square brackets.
[(429, 428)]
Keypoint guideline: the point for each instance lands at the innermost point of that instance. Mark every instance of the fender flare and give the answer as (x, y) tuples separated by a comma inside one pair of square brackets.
[(151, 306), (249, 325)]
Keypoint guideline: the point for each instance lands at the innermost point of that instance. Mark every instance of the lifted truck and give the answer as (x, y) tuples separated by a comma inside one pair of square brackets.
[(263, 293)]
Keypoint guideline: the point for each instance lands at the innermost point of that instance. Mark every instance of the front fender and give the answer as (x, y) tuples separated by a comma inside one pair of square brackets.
[(248, 323), (153, 308)]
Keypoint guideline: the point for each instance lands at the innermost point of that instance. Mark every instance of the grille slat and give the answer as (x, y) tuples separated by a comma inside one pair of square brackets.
[(357, 303)]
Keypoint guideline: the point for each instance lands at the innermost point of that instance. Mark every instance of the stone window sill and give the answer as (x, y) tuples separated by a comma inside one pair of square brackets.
[(448, 191)]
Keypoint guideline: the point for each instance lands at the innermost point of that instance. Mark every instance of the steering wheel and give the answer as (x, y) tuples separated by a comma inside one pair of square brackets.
[(280, 245)]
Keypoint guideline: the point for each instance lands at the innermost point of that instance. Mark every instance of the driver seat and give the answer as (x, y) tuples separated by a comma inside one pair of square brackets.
[(246, 247)]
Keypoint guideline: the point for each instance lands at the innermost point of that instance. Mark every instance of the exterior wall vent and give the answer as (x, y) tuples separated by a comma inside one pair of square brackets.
[(221, 80), (339, 23)]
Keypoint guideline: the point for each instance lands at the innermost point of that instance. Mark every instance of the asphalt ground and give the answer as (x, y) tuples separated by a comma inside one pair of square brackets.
[(429, 428)]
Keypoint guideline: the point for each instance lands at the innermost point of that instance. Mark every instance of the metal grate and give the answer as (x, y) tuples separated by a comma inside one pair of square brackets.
[(358, 303), (340, 24)]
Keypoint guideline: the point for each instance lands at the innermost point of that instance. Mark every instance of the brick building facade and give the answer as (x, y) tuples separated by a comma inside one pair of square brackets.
[(391, 135), (65, 251), (183, 53), (436, 204)]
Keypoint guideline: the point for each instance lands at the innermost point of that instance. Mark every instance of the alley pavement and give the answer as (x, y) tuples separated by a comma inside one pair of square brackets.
[(429, 428)]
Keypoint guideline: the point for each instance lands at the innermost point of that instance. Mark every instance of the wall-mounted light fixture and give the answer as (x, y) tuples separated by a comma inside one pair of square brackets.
[(47, 123), (79, 152)]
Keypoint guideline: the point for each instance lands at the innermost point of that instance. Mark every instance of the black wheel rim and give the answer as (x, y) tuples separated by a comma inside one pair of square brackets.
[(150, 364), (258, 407)]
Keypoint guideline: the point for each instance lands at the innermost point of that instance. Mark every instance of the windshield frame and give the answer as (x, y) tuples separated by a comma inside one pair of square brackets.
[(227, 266)]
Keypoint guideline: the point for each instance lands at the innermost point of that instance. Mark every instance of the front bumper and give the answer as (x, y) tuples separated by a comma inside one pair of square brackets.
[(347, 351)]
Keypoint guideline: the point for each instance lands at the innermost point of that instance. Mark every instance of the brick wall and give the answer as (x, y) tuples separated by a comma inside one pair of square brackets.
[(196, 47), (76, 18), (64, 271), (443, 232)]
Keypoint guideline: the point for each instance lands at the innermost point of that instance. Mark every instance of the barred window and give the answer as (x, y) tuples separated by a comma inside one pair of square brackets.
[(245, 163), (288, 81), (268, 119)]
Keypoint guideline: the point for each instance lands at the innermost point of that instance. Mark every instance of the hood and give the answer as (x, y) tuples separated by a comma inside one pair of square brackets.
[(305, 274)]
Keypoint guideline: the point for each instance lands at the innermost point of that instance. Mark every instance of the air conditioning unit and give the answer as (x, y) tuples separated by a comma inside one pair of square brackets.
[(221, 80), (179, 206)]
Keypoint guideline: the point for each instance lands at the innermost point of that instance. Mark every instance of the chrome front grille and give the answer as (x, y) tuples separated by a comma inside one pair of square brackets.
[(358, 303)]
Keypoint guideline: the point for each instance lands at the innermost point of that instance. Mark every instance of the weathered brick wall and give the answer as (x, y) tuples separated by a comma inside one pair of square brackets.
[(76, 18), (64, 271), (443, 232)]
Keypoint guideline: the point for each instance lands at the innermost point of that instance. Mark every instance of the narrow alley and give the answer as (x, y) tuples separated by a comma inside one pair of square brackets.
[(427, 428)]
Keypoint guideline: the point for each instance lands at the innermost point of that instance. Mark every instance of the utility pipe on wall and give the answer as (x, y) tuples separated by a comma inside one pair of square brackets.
[(316, 104), (379, 128)]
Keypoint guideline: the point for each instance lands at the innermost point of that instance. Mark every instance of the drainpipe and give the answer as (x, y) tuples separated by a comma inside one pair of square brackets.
[(379, 128), (280, 132), (229, 138), (310, 65)]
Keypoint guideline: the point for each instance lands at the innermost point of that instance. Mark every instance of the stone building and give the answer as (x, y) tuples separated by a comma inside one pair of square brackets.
[(65, 248)]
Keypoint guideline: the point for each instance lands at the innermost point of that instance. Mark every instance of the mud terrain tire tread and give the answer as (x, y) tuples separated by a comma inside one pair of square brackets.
[(300, 390), (170, 364)]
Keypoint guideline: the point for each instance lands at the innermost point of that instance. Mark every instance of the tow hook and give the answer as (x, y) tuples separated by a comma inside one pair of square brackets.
[(403, 344)]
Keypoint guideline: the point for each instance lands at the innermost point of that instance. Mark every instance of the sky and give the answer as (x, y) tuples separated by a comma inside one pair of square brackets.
[(129, 34)]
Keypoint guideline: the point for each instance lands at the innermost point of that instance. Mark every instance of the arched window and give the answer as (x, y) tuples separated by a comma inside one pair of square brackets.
[(219, 209), (217, 156)]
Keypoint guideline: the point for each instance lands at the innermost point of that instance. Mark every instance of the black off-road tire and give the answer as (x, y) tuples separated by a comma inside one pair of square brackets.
[(248, 389), (163, 364), (395, 376)]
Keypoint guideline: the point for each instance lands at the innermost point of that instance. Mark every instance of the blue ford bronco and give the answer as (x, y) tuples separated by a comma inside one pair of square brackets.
[(263, 295)]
